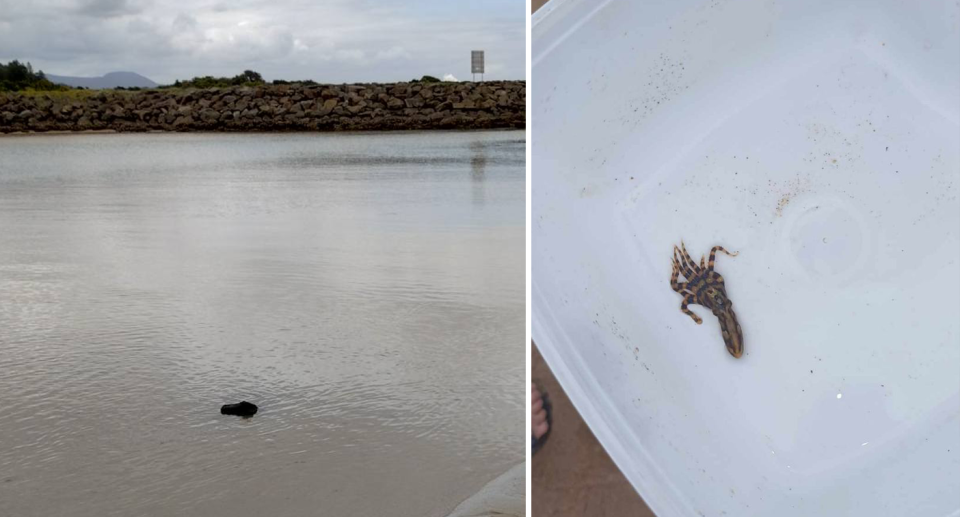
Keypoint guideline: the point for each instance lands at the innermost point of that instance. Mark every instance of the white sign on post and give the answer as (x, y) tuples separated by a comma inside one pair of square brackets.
[(476, 63)]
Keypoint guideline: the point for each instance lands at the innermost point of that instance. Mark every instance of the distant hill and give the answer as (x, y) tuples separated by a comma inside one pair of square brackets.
[(111, 80)]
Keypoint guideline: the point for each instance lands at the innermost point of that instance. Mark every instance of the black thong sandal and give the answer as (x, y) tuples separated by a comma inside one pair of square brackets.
[(539, 442)]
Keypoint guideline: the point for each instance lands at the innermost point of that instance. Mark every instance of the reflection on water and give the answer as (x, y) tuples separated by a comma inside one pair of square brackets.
[(478, 164), (365, 290)]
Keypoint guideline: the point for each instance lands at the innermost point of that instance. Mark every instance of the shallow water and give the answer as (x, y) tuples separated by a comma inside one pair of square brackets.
[(366, 290)]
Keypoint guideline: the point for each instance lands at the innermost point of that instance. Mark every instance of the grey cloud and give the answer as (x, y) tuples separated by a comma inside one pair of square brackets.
[(185, 22), (108, 8), (328, 41)]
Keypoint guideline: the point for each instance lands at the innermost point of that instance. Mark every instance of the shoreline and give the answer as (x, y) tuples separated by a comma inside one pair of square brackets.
[(86, 132), (272, 108), (504, 496)]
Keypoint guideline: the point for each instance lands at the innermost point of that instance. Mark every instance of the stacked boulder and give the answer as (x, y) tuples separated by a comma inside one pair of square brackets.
[(288, 107)]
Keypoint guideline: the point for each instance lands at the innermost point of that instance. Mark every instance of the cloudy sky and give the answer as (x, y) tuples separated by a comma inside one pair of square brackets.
[(331, 41)]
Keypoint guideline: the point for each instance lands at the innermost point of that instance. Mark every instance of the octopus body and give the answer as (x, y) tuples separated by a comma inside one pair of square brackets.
[(705, 287)]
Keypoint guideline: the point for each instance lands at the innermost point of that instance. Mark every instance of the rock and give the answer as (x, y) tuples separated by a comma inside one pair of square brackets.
[(494, 104), (209, 115), (244, 409), (327, 107)]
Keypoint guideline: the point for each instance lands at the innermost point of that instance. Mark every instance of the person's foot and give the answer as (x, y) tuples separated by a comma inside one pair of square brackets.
[(540, 417)]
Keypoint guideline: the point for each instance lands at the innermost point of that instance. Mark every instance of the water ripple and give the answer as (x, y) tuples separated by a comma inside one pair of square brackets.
[(365, 291)]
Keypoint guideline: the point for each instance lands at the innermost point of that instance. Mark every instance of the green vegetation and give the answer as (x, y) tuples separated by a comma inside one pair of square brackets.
[(308, 82), (247, 78), (20, 77), (16, 76), (69, 94)]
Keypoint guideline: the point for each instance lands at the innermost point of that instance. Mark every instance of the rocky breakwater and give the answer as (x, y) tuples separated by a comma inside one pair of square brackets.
[(292, 107)]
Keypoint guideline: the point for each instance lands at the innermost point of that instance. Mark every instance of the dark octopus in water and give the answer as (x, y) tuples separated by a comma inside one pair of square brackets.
[(704, 286)]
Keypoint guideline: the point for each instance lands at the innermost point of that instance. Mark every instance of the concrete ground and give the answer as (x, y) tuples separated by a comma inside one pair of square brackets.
[(502, 497), (572, 474)]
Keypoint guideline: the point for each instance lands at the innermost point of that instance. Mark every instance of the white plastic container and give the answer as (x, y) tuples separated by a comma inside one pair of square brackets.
[(820, 140)]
